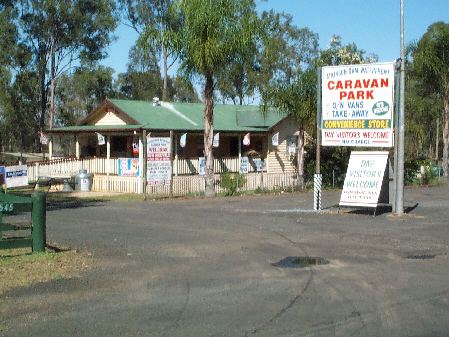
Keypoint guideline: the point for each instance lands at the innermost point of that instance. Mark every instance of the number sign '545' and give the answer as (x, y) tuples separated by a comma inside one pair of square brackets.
[(357, 105)]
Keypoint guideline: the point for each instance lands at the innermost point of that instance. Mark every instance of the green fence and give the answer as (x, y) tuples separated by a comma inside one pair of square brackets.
[(11, 204)]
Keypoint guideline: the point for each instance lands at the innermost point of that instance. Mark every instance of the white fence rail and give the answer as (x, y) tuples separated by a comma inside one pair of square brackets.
[(188, 185), (67, 167)]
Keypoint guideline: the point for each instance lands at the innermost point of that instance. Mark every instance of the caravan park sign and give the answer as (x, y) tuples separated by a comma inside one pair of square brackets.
[(357, 105)]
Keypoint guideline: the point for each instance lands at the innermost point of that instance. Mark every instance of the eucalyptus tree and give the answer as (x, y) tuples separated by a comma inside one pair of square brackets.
[(8, 41), (431, 67), (183, 91), (155, 24), (287, 75), (212, 36), (58, 35), (338, 54), (81, 91), (142, 80), (238, 80)]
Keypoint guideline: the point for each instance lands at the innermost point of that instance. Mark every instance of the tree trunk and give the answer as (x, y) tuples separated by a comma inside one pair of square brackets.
[(445, 135), (208, 136), (300, 158), (43, 88), (437, 140), (164, 89), (52, 83)]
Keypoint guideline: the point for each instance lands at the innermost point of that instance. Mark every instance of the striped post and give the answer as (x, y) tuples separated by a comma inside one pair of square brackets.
[(317, 179)]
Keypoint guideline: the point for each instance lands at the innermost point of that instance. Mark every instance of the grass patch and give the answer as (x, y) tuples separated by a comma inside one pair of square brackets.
[(21, 268)]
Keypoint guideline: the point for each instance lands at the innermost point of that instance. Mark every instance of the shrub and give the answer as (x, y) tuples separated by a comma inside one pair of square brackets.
[(231, 182)]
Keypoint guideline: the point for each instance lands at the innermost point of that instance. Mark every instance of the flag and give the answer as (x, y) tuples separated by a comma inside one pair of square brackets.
[(135, 148), (275, 139), (101, 140), (183, 140), (216, 141), (246, 139), (43, 139)]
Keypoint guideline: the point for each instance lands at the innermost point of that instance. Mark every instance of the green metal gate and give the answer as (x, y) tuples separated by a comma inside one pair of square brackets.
[(11, 204)]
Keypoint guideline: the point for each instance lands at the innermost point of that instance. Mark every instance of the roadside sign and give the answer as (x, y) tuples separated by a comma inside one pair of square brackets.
[(16, 176), (364, 178), (159, 164), (357, 105)]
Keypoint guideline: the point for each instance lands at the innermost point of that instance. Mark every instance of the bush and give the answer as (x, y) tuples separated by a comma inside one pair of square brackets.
[(232, 182), (411, 169), (420, 171)]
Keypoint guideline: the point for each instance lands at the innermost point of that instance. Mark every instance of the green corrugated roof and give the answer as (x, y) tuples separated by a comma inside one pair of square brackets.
[(84, 128), (187, 117)]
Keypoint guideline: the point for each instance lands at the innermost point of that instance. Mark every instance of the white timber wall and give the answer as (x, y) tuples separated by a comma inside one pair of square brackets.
[(278, 158)]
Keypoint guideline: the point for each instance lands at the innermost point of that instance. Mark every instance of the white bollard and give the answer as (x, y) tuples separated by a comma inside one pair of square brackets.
[(317, 179)]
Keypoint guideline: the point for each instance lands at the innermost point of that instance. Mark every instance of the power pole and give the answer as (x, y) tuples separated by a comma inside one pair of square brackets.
[(400, 169)]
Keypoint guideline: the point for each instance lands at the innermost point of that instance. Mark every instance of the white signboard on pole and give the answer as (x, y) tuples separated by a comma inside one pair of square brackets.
[(16, 176), (159, 164), (357, 105), (364, 178), (202, 166), (244, 165)]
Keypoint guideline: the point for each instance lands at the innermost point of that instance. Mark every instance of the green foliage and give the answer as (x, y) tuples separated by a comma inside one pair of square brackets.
[(55, 34), (337, 54), (411, 169), (431, 71), (214, 33), (183, 90), (80, 92), (232, 182), (431, 59), (420, 171), (334, 163), (427, 175)]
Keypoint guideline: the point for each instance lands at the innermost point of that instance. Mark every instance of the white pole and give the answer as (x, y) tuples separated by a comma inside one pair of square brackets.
[(50, 148), (77, 147), (140, 189), (108, 159)]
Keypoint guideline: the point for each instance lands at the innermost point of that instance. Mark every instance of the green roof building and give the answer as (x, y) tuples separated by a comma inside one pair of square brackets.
[(117, 129)]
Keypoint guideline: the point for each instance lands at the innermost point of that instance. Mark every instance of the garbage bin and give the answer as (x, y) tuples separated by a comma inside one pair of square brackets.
[(83, 181)]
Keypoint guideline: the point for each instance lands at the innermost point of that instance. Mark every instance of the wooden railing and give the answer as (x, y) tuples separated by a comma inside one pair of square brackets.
[(67, 167), (188, 184), (70, 166)]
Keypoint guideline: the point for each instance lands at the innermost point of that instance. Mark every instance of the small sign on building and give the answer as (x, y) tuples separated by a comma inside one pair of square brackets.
[(202, 166), (128, 167), (244, 165)]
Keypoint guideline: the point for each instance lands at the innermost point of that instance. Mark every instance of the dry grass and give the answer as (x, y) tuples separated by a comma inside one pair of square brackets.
[(19, 267)]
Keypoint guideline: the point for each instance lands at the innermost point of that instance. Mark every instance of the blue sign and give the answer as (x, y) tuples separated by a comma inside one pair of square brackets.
[(128, 167)]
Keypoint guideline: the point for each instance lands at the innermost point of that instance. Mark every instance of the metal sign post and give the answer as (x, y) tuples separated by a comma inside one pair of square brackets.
[(400, 169)]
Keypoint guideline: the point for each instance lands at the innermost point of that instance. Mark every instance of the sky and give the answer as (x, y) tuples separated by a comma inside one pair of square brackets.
[(373, 25)]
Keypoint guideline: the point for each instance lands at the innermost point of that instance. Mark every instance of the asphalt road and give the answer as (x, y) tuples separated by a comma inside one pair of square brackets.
[(205, 268)]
